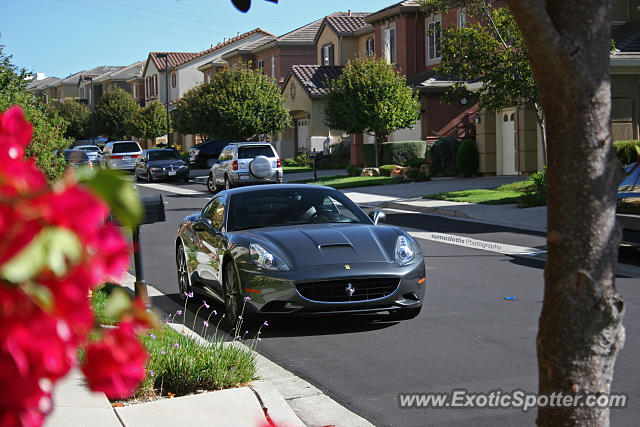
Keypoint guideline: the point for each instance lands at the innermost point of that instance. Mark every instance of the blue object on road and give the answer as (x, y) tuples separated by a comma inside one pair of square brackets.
[(510, 298)]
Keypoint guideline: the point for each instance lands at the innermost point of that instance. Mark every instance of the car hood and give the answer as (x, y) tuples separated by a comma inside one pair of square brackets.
[(323, 244), (165, 163)]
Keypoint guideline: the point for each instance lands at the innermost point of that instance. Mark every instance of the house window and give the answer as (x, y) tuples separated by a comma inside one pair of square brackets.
[(209, 77), (81, 93), (328, 55), (173, 80), (155, 85), (261, 65), (135, 92), (462, 18), (433, 40), (370, 47), (389, 45), (273, 67)]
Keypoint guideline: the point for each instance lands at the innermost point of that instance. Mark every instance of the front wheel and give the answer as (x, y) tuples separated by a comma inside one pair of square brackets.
[(149, 177), (227, 183), (184, 281), (210, 163), (231, 297), (211, 184)]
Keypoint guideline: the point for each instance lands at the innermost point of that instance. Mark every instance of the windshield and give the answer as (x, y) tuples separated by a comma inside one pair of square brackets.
[(253, 151), (163, 155), (92, 149), (280, 207)]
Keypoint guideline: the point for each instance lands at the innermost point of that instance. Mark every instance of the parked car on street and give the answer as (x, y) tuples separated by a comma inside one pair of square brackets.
[(120, 155), (158, 164), (298, 249), (206, 153), (245, 163), (76, 158), (628, 209), (93, 151)]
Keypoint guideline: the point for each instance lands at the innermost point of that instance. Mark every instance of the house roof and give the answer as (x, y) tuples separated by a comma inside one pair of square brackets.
[(315, 78), (304, 35), (394, 9), (430, 81), (124, 73), (249, 47), (41, 84), (627, 38), (177, 59), (97, 72), (347, 23)]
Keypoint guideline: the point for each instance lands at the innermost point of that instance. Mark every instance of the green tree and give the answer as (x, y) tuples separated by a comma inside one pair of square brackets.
[(48, 127), (114, 113), (151, 121), (491, 51), (580, 329), (235, 106), (371, 97), (77, 116)]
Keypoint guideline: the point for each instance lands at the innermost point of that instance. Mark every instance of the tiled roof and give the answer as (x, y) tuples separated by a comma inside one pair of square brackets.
[(627, 38), (314, 78), (346, 23), (177, 59), (304, 34), (40, 84), (124, 73), (393, 9)]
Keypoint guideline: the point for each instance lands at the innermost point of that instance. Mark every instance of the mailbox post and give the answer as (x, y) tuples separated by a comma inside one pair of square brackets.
[(153, 211), (314, 155)]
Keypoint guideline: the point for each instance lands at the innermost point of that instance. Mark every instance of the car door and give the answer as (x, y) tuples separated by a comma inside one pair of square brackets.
[(105, 155), (141, 165), (211, 243), (224, 162)]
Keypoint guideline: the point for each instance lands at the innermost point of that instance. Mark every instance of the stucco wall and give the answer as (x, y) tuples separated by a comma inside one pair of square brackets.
[(624, 106), (486, 140), (327, 36)]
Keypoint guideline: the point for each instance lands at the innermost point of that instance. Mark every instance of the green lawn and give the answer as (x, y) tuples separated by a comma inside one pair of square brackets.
[(483, 197), (296, 169), (342, 181)]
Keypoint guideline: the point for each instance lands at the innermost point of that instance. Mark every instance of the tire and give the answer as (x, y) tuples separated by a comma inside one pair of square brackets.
[(232, 301), (184, 281), (260, 167), (405, 313), (149, 177), (227, 183), (137, 177), (209, 163), (211, 185)]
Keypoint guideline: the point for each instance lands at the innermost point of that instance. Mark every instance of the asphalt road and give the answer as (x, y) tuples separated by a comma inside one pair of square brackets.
[(467, 336)]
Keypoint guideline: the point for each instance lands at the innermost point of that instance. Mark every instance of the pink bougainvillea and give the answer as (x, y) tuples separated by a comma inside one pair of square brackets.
[(46, 316)]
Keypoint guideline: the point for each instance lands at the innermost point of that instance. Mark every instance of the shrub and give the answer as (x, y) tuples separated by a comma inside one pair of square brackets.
[(302, 160), (290, 162), (626, 151), (443, 155), (467, 160), (385, 170), (417, 162), (400, 153), (536, 194), (354, 171), (414, 174)]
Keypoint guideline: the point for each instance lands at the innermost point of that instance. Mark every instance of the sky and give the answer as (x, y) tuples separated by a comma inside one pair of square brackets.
[(62, 37)]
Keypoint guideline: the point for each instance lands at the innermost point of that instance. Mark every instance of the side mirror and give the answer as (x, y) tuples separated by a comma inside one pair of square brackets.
[(377, 216)]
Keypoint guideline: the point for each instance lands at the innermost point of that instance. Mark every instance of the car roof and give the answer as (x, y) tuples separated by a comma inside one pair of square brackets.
[(159, 149), (117, 142), (86, 146), (268, 187)]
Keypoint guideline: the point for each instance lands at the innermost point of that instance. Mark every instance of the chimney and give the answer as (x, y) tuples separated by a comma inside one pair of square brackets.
[(349, 12)]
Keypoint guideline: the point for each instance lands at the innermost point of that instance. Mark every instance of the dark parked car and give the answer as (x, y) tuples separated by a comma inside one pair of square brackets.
[(628, 210), (298, 249), (76, 158), (206, 153), (158, 164)]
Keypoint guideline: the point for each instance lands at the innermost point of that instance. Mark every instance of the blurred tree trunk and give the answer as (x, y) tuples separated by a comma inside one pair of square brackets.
[(580, 330)]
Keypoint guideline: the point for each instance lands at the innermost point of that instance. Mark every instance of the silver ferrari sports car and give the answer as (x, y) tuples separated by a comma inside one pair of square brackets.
[(298, 249)]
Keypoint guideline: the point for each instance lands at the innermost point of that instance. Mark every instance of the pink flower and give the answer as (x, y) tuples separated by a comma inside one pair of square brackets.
[(116, 364)]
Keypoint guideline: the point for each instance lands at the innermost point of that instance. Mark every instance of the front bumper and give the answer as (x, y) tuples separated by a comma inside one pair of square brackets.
[(276, 292), (170, 174)]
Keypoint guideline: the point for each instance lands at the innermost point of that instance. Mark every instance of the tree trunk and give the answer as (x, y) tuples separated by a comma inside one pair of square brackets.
[(377, 149), (543, 131), (580, 328)]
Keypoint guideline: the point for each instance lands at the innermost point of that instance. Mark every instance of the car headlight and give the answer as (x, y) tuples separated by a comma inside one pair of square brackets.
[(404, 252), (265, 259), (155, 169)]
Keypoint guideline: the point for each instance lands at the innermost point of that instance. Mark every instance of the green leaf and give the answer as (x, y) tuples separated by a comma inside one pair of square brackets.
[(118, 302), (51, 249), (117, 191)]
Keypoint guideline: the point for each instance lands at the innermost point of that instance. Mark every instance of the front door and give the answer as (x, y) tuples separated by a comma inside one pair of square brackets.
[(303, 134), (508, 144)]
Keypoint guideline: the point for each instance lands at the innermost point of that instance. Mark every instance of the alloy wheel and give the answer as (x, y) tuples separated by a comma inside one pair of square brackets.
[(231, 295), (183, 273)]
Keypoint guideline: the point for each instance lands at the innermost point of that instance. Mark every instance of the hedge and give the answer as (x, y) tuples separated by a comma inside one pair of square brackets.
[(397, 153), (626, 151)]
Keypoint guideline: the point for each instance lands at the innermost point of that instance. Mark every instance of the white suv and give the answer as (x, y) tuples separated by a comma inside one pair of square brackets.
[(245, 163), (120, 155)]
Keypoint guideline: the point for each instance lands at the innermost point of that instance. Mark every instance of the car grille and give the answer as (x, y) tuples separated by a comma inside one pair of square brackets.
[(363, 289)]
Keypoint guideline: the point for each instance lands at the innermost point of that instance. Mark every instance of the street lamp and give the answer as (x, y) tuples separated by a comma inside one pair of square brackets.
[(91, 97), (166, 75)]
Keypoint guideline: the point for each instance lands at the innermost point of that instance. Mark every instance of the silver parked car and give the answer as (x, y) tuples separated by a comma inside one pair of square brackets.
[(93, 151), (120, 155), (245, 163)]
